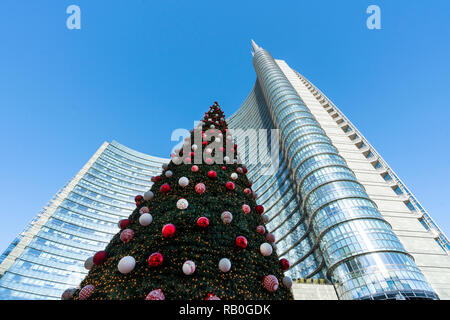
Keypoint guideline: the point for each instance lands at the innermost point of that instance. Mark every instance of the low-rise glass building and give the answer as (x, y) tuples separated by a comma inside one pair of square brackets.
[(48, 256)]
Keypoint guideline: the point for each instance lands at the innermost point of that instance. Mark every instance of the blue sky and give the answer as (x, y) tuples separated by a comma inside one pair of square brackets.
[(137, 70)]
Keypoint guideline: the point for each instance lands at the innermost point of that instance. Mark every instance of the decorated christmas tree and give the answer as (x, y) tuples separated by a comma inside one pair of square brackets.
[(196, 234)]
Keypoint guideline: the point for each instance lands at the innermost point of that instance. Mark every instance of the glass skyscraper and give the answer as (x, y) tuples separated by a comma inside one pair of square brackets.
[(338, 211), (48, 256)]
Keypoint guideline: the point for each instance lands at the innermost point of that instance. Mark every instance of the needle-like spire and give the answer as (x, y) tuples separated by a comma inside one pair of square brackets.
[(255, 47)]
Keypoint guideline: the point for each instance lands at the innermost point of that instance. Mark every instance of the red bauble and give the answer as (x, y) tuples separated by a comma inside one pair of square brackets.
[(259, 209), (191, 153), (241, 242), (165, 188), (155, 295), (212, 296), (200, 188), (156, 179), (138, 198), (123, 223), (248, 191), (155, 259), (260, 229), (229, 185), (86, 292), (224, 168), (212, 174), (194, 168), (203, 222), (168, 230), (250, 184), (204, 143), (270, 283), (284, 264), (270, 237), (126, 235), (244, 170), (100, 257)]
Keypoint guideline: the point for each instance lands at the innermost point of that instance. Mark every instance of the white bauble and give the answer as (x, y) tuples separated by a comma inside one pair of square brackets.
[(224, 265), (188, 267), (287, 282), (266, 249), (226, 217), (126, 264), (217, 140), (89, 263), (226, 159), (183, 182), (168, 173), (165, 166), (148, 195), (209, 119), (182, 204), (194, 147), (212, 126), (234, 176), (235, 161), (145, 219)]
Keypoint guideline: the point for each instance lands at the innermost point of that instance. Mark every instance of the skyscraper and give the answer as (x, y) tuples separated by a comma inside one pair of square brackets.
[(48, 256), (338, 211)]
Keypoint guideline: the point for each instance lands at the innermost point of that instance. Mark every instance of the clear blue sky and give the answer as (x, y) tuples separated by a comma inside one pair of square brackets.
[(139, 69)]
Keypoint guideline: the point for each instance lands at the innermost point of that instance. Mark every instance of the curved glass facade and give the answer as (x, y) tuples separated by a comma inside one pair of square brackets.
[(274, 188), (48, 256), (337, 223)]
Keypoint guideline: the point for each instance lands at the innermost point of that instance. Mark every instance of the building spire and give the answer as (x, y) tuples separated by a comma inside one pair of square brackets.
[(255, 47)]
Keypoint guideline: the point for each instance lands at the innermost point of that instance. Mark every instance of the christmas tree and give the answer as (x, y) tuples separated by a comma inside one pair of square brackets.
[(196, 234)]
